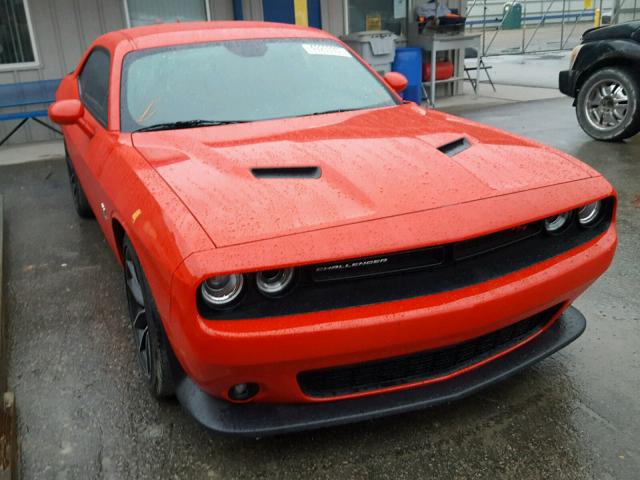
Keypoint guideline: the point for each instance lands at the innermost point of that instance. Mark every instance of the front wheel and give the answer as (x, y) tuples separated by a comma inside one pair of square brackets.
[(151, 343), (607, 105)]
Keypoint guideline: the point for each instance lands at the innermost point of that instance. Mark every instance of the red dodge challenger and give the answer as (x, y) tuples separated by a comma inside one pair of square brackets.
[(300, 247)]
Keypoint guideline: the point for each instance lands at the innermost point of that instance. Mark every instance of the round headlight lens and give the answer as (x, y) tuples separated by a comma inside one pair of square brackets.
[(222, 290), (274, 282), (557, 223), (590, 214)]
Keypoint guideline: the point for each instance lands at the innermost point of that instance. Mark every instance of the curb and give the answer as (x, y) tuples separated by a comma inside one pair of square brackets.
[(8, 430)]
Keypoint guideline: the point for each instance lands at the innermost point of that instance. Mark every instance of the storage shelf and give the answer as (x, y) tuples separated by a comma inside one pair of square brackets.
[(446, 80)]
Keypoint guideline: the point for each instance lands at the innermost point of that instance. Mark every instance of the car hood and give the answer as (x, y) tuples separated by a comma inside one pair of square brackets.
[(370, 164)]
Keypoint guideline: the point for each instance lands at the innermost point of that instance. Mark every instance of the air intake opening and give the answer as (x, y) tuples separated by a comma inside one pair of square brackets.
[(420, 366), (287, 172), (455, 147)]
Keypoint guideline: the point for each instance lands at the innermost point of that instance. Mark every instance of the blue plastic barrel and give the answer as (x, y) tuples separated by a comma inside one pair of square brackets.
[(408, 61)]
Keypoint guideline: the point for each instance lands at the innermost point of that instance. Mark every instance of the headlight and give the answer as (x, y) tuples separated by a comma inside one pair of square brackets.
[(574, 55), (557, 223), (223, 290), (274, 282), (589, 215)]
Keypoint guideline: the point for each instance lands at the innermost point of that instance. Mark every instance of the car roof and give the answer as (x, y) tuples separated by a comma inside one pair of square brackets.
[(167, 34)]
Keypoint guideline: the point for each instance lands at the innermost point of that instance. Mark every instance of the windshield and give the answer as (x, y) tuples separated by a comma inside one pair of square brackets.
[(244, 80)]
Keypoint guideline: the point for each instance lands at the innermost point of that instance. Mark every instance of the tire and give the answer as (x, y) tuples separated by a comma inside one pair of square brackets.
[(152, 346), (80, 202), (608, 106)]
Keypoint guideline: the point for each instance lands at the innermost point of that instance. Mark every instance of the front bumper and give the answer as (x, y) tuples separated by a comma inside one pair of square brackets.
[(567, 80), (255, 420), (272, 352)]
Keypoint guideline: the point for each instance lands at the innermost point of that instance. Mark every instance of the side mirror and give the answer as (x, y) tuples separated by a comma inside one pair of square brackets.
[(397, 81), (66, 112)]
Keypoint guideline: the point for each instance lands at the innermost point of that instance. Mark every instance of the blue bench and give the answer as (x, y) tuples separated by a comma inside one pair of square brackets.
[(32, 95)]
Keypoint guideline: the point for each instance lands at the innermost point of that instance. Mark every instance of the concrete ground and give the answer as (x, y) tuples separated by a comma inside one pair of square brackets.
[(84, 411), (486, 97), (549, 37), (31, 152), (532, 70)]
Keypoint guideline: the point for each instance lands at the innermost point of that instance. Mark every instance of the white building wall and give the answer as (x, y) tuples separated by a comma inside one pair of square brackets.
[(332, 12)]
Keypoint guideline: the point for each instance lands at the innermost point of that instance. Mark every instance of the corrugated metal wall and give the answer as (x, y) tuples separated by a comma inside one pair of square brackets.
[(63, 29), (332, 12)]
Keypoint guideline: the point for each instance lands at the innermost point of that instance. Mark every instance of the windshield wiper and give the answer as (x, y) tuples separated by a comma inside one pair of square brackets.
[(187, 124), (337, 110)]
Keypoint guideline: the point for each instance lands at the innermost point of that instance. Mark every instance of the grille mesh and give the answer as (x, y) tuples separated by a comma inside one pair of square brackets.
[(419, 366)]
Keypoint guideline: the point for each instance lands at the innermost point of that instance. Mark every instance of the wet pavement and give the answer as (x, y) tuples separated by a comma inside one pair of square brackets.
[(84, 411)]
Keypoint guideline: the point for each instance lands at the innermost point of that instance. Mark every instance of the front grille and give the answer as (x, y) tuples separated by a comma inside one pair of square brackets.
[(410, 274), (416, 367), (488, 243)]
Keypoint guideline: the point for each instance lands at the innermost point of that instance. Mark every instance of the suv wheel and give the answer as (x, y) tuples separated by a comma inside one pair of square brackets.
[(607, 105)]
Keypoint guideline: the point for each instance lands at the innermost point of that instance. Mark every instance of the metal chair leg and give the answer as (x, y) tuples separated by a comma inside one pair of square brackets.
[(15, 129), (486, 72), (425, 94), (44, 124), (472, 81)]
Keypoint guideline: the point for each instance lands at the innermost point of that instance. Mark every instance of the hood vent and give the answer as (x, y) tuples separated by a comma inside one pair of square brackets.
[(287, 172), (454, 148)]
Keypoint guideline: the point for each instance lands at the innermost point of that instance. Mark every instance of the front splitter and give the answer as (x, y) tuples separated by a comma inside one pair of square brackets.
[(259, 420)]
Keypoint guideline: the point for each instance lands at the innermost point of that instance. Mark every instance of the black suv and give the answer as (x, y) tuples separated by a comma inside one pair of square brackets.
[(604, 79)]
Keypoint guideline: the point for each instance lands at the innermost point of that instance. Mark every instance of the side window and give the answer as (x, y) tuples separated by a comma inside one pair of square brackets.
[(94, 84)]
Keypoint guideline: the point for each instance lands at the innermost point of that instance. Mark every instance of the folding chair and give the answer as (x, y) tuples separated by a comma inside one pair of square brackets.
[(473, 53)]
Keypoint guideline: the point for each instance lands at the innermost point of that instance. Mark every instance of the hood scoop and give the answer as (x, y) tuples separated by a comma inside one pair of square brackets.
[(455, 147), (287, 172)]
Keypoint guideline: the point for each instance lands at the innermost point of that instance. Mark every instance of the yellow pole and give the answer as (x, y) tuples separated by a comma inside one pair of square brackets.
[(596, 18), (300, 9)]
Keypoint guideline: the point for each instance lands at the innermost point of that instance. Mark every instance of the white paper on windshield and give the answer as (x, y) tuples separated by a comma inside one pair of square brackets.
[(323, 49)]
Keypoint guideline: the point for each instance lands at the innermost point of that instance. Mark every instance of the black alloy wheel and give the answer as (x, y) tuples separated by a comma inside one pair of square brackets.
[(152, 346)]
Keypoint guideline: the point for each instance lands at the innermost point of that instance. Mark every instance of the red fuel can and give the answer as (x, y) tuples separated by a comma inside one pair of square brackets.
[(444, 70)]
